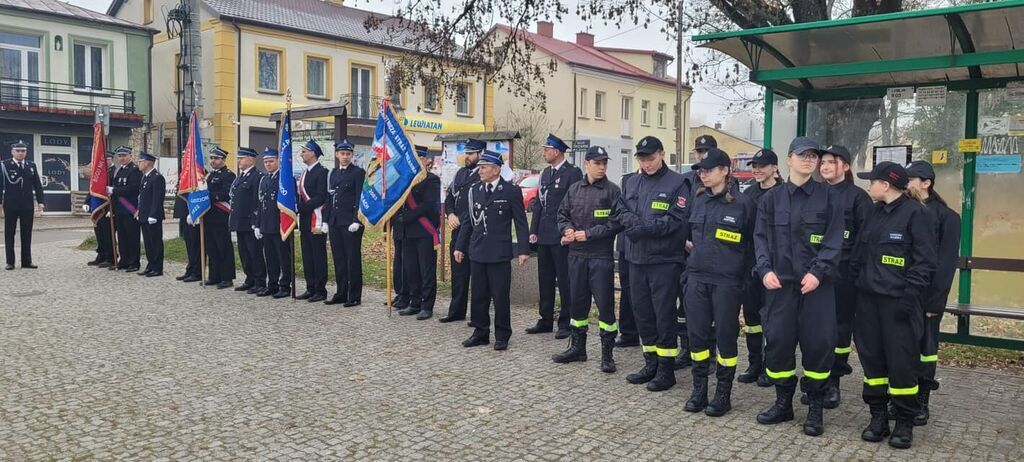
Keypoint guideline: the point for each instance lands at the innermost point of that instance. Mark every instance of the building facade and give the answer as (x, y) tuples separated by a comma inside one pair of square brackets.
[(59, 65)]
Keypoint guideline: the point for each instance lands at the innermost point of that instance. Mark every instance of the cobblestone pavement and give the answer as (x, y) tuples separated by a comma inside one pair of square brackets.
[(161, 370)]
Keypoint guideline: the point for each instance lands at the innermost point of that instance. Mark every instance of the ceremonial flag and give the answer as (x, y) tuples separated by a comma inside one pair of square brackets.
[(192, 180), (98, 198), (393, 172), (286, 181)]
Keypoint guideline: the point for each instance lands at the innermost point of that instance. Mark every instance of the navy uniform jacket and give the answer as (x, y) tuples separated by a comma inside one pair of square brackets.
[(755, 192), (151, 196), (620, 240), (856, 206), (219, 183), (652, 210), (486, 236), (455, 196), (896, 253), (315, 186), (243, 200), (722, 233), (799, 231), (126, 183), (587, 207), (693, 182), (948, 247), (427, 197), (554, 183), (18, 185), (268, 216), (344, 186)]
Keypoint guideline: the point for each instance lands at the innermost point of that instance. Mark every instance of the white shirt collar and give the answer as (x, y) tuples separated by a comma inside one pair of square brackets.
[(494, 184), (560, 164), (246, 170), (310, 166)]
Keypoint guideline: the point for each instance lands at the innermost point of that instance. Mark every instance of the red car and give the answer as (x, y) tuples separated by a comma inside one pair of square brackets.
[(530, 184)]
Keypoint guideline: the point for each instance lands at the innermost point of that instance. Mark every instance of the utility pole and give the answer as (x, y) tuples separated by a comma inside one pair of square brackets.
[(679, 88), (183, 21)]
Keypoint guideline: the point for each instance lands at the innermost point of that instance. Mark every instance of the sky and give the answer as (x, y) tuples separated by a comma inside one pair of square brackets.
[(705, 107)]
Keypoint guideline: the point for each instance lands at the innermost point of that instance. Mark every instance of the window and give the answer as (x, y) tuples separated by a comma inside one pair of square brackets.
[(88, 67), (627, 104), (462, 99), (661, 115), (659, 68), (147, 11), (431, 96), (599, 104), (362, 91), (396, 94), (317, 77), (645, 107), (269, 76), (19, 68), (583, 102), (626, 164)]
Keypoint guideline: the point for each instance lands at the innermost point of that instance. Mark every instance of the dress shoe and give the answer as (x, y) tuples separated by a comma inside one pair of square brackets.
[(304, 296), (351, 303), (92, 262), (31, 266), (399, 304), (244, 287), (500, 345), (255, 290), (130, 269), (624, 341), (451, 318), (317, 298), (424, 315), (9, 267), (337, 299), (192, 279), (143, 272), (266, 292), (475, 340), (105, 264), (409, 311), (211, 282), (153, 274), (282, 293), (225, 284), (540, 328), (563, 333), (180, 278)]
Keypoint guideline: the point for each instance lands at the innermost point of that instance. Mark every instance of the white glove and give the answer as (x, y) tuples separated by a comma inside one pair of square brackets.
[(151, 220), (86, 208), (188, 219), (354, 227), (323, 228), (257, 232), (110, 190)]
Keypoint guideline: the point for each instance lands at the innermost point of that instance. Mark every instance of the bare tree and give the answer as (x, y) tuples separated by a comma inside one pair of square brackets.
[(533, 128)]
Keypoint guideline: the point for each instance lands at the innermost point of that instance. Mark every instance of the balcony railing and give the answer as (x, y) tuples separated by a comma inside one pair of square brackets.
[(363, 106), (32, 94)]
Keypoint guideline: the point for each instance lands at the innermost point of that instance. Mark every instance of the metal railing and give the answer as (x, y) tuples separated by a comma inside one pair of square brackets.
[(57, 95), (364, 106)]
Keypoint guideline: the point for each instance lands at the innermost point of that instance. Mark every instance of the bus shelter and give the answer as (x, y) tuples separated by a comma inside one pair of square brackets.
[(944, 85)]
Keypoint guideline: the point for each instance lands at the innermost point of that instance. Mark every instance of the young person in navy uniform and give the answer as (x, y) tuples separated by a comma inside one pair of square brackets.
[(191, 235), (277, 253), (152, 189), (893, 264), (104, 239), (922, 184), (312, 190), (651, 210), (20, 181), (721, 227), (552, 256), (220, 252), (345, 186), (456, 207), (243, 205), (420, 216), (765, 168), (124, 198), (628, 336), (495, 208), (584, 219), (797, 244)]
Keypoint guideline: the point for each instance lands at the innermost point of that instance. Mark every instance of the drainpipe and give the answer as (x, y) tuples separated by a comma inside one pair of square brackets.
[(238, 83)]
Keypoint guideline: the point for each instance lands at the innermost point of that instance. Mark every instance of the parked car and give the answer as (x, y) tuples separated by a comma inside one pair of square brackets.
[(530, 184)]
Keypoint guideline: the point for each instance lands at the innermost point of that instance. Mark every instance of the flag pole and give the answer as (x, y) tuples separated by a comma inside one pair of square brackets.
[(387, 222), (288, 109)]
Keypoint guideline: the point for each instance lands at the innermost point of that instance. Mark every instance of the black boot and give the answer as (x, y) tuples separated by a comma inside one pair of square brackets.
[(577, 350), (903, 435), (832, 396), (682, 359), (921, 419), (648, 372), (722, 402), (815, 423), (755, 368), (607, 346), (879, 426), (782, 410), (666, 376), (699, 396)]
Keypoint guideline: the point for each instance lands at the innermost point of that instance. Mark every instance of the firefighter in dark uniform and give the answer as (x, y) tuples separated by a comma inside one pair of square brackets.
[(152, 189), (191, 235), (457, 210), (277, 253), (21, 180), (312, 189), (797, 243), (220, 252), (124, 198), (584, 219), (651, 210), (243, 205), (495, 207), (104, 239), (628, 336), (552, 256), (345, 185), (420, 216), (922, 184), (721, 226), (765, 167), (893, 265)]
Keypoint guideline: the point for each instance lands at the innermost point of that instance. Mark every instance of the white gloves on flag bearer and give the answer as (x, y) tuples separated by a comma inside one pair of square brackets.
[(151, 220), (257, 232), (354, 227)]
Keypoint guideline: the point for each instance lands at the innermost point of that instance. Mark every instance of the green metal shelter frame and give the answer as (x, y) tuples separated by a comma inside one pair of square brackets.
[(965, 48)]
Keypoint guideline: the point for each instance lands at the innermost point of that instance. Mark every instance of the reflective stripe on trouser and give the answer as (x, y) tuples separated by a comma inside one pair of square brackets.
[(846, 310), (553, 272), (713, 316), (653, 294), (753, 300), (929, 353), (627, 323), (887, 346), (592, 279), (790, 319)]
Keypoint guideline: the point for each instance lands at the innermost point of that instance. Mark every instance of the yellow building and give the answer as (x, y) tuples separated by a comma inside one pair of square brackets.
[(254, 51), (732, 144), (609, 97)]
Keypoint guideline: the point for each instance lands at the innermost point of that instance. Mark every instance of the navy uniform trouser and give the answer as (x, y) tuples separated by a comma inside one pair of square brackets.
[(191, 235), (129, 246), (627, 324), (250, 253), (346, 248), (929, 352), (397, 279), (792, 319), (104, 241), (220, 252), (753, 302), (553, 271), (419, 272), (681, 329), (314, 261), (654, 289), (153, 238), (460, 281), (888, 344), (593, 279), (713, 318), (11, 220), (279, 258), (491, 282), (846, 312)]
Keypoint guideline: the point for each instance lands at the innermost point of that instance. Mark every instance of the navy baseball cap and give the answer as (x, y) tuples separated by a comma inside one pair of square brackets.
[(269, 152), (247, 152), (803, 143), (838, 151), (648, 145), (889, 172), (556, 143), (596, 153), (146, 156), (921, 169), (764, 157), (705, 142), (474, 145), (491, 158), (218, 152), (714, 157)]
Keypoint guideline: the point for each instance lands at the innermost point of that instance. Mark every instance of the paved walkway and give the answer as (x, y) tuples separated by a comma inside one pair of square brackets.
[(98, 365)]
